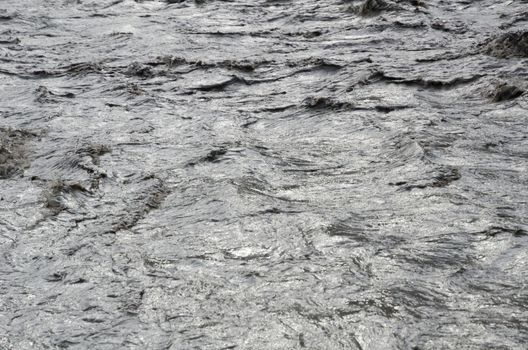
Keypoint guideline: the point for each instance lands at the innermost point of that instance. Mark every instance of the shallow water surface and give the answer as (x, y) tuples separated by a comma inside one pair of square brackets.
[(268, 174)]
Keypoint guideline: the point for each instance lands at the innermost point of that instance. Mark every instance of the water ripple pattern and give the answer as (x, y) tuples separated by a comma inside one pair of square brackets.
[(267, 174)]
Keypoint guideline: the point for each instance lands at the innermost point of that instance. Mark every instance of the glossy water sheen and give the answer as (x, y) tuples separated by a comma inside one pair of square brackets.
[(263, 174)]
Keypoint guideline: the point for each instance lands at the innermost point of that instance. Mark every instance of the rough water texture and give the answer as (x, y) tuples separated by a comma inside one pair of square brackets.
[(265, 174)]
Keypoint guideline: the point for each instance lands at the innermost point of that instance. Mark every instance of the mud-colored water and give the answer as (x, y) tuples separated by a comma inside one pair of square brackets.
[(263, 174)]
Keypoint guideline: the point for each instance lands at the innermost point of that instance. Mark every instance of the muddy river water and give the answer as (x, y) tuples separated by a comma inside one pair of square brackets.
[(267, 174)]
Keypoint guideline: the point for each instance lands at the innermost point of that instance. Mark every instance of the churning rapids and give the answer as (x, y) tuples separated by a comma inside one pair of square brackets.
[(268, 174)]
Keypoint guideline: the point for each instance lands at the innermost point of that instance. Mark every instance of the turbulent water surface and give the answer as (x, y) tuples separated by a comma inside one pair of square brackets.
[(268, 174)]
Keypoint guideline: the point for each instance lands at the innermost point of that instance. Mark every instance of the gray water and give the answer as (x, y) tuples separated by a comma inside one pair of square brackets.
[(263, 174)]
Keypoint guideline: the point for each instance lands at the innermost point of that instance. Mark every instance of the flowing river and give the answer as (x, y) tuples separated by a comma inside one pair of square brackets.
[(267, 174)]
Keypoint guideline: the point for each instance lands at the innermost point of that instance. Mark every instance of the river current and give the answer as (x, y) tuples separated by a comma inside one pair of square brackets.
[(267, 174)]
